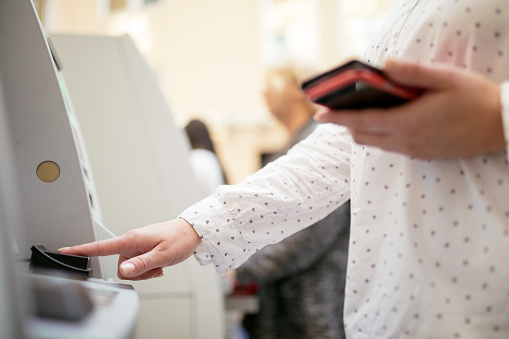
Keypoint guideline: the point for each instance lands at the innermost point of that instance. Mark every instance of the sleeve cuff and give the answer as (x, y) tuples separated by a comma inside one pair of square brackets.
[(221, 245)]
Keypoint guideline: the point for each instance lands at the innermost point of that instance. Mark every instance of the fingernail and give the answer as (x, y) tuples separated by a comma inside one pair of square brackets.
[(318, 117), (127, 268), (63, 249), (159, 275)]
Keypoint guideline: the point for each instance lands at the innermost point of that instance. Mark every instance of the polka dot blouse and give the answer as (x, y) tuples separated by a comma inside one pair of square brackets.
[(429, 241)]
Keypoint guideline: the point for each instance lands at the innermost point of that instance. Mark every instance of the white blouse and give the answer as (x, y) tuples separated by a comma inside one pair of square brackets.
[(429, 242)]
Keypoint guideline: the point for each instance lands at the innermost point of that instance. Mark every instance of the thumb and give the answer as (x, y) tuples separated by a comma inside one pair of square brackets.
[(413, 74), (138, 265)]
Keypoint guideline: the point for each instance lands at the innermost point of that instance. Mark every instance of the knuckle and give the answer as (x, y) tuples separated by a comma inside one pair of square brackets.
[(130, 235), (97, 246), (143, 263)]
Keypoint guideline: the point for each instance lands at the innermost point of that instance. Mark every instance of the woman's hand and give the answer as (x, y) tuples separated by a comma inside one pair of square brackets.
[(144, 252), (458, 115)]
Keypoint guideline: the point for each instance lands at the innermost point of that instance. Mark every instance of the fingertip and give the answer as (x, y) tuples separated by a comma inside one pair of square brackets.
[(391, 63), (127, 269), (150, 274), (397, 62), (317, 118), (396, 66), (320, 115), (63, 249)]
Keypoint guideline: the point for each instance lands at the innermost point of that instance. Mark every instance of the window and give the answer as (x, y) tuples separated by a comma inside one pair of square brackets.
[(129, 4), (358, 23), (289, 31), (118, 4)]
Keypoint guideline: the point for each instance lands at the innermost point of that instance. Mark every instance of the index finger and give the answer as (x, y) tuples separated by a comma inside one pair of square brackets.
[(413, 74), (96, 248)]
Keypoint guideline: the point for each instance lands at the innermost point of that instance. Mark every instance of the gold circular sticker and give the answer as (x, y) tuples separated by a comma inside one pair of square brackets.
[(48, 171)]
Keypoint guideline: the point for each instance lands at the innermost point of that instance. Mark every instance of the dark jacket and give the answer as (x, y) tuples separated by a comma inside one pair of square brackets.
[(301, 279)]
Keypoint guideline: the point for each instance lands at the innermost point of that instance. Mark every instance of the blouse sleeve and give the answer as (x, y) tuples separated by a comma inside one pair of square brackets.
[(299, 252), (284, 197)]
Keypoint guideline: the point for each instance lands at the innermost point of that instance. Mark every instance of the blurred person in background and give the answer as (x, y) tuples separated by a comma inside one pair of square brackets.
[(301, 279), (204, 161)]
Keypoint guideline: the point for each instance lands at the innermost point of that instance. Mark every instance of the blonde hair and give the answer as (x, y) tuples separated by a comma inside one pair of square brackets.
[(288, 76), (280, 76)]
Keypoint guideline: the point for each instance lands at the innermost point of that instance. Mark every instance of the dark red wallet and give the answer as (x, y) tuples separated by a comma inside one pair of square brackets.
[(356, 85)]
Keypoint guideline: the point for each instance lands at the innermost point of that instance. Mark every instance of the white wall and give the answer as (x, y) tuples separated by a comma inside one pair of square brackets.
[(207, 56)]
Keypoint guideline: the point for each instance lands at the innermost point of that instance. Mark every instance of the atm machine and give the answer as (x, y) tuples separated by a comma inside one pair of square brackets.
[(13, 308), (50, 303), (47, 201), (142, 172)]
